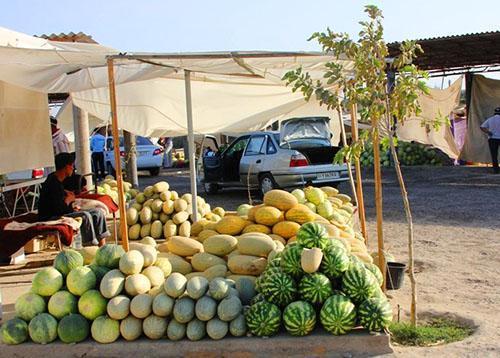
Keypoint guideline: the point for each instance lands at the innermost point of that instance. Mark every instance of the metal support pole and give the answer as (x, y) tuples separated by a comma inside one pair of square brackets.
[(191, 145), (118, 165), (82, 143), (131, 158)]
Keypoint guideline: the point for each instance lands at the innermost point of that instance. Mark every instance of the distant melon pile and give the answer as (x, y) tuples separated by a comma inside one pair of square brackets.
[(159, 213)]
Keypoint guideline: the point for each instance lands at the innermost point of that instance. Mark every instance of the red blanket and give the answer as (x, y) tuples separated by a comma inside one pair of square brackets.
[(105, 199), (13, 240)]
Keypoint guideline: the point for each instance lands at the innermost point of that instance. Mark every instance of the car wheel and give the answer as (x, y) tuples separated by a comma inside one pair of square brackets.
[(154, 172), (266, 183), (211, 188)]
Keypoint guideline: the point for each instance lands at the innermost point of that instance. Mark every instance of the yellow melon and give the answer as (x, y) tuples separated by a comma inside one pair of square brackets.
[(280, 199), (257, 228), (300, 214), (268, 215), (231, 225), (286, 229)]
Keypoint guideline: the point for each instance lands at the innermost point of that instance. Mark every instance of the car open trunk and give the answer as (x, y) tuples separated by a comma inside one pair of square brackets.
[(319, 155), (311, 137)]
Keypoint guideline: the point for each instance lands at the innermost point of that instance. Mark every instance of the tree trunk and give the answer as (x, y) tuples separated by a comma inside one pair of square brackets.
[(378, 202), (406, 203)]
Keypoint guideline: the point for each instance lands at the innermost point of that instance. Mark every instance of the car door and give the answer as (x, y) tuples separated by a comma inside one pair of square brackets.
[(231, 159), (252, 160)]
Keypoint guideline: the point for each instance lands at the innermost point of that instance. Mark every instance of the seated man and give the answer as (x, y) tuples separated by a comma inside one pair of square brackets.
[(55, 202)]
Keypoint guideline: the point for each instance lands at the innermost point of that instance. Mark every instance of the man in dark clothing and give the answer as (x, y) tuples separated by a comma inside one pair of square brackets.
[(55, 202)]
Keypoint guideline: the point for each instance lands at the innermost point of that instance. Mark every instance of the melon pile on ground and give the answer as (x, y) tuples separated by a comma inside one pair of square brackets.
[(109, 186), (316, 280), (160, 213), (125, 294)]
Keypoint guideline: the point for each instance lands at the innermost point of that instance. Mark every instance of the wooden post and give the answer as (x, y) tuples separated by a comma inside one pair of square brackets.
[(116, 147), (378, 199), (191, 145), (129, 141), (82, 144), (359, 184)]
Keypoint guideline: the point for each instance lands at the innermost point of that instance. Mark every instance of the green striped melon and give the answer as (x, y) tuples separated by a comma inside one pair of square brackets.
[(67, 260), (263, 319), (359, 283), (335, 261), (315, 288), (73, 328), (257, 298), (312, 235), (299, 318), (376, 272), (290, 261), (375, 314), (338, 315), (279, 288)]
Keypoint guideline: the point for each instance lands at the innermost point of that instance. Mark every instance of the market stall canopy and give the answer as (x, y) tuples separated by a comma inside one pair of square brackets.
[(25, 137), (47, 66), (221, 104)]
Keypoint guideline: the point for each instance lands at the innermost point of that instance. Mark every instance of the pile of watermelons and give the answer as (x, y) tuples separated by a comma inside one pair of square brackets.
[(409, 154), (317, 279)]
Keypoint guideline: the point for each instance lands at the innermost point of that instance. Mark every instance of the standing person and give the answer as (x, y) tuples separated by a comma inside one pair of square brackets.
[(55, 202), (491, 126), (60, 143), (97, 145), (167, 144)]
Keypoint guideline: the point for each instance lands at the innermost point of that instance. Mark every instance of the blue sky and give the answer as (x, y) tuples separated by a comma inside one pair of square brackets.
[(216, 25)]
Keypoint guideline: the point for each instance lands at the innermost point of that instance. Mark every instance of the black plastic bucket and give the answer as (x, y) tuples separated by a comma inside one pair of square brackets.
[(395, 275)]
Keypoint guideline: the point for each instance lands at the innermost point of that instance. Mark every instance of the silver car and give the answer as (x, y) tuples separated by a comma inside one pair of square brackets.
[(299, 154)]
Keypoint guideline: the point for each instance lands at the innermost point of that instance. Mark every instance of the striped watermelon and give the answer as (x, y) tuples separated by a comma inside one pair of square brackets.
[(279, 288), (299, 318), (315, 288), (257, 298), (312, 235), (375, 314), (335, 261), (359, 283), (290, 261), (338, 315), (263, 319), (376, 272), (275, 262)]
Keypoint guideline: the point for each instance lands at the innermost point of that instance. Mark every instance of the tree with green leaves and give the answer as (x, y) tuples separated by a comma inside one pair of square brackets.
[(381, 102)]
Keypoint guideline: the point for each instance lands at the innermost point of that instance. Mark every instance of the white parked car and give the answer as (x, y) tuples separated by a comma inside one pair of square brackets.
[(149, 156), (300, 154)]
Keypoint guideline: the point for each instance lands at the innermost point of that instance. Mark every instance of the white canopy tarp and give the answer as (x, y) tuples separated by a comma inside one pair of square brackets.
[(485, 98), (25, 137), (439, 103), (221, 104)]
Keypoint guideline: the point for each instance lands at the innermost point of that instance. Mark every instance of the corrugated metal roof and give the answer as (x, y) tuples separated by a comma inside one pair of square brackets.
[(456, 51), (69, 37)]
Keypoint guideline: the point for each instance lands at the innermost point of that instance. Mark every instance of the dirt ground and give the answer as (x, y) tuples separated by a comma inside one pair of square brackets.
[(456, 214)]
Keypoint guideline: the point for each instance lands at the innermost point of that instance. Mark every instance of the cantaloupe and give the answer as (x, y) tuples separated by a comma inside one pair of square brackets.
[(267, 215), (300, 214), (286, 229), (184, 246), (230, 225), (280, 199)]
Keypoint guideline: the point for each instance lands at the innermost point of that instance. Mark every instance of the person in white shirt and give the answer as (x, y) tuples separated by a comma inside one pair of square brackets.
[(491, 126), (60, 143)]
